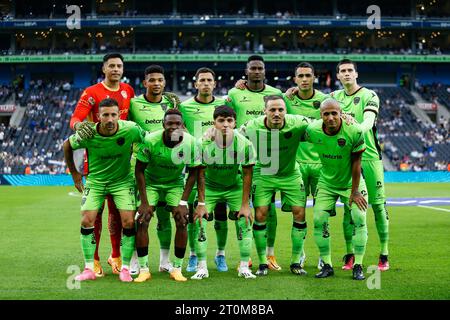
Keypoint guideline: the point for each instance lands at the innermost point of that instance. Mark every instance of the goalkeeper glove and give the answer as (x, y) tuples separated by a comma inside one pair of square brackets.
[(85, 130)]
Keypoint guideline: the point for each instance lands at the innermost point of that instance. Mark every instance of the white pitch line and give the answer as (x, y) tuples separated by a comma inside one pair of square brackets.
[(74, 194), (440, 209)]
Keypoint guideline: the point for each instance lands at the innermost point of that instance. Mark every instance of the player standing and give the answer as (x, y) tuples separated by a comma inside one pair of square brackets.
[(248, 103), (223, 156), (165, 154), (109, 173), (363, 104), (306, 102), (88, 109), (276, 137), (339, 145), (198, 117), (148, 110)]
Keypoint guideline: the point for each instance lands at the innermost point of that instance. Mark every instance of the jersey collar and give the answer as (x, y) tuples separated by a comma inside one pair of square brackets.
[(331, 135), (198, 101), (314, 93), (349, 95), (110, 89), (263, 88), (265, 124), (145, 98)]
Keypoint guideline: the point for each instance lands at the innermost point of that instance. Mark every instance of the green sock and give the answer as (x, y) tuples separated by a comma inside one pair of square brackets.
[(201, 241), (322, 234), (259, 233), (221, 228), (143, 262), (87, 239), (298, 235), (348, 226), (177, 262), (191, 236), (382, 223), (244, 237), (128, 245), (360, 236), (271, 225), (164, 227)]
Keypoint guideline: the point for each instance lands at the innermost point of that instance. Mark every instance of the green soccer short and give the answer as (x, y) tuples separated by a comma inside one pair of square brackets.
[(232, 196), (170, 193), (373, 173), (123, 194), (291, 188), (326, 196), (310, 176)]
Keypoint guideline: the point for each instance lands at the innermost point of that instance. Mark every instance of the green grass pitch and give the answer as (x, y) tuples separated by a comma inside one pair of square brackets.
[(40, 243)]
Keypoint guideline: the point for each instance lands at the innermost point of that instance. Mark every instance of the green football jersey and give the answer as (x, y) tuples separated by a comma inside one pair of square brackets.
[(276, 149), (335, 152), (109, 157), (309, 108), (198, 116), (249, 104), (355, 105), (222, 164), (165, 165), (148, 115)]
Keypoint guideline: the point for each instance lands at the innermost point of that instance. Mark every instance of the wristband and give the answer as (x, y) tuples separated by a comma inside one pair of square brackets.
[(200, 203), (183, 203)]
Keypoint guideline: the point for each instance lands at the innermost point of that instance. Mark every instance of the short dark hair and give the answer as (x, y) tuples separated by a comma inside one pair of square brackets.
[(224, 111), (154, 68), (255, 57), (172, 112), (113, 55), (108, 102), (304, 65), (204, 70), (271, 98), (345, 61)]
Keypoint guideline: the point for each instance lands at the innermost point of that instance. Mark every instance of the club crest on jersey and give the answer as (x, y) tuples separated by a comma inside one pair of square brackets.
[(91, 101), (316, 104), (120, 141), (341, 142), (288, 135), (181, 154), (124, 94), (356, 100), (164, 107)]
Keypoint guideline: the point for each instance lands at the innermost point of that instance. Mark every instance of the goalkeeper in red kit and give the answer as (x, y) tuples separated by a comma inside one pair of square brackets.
[(87, 109)]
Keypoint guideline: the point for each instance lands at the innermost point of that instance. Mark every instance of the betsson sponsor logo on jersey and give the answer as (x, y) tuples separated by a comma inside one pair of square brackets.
[(254, 113)]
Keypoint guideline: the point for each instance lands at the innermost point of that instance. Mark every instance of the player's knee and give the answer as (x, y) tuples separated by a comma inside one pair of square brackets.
[(298, 213), (87, 220), (127, 222)]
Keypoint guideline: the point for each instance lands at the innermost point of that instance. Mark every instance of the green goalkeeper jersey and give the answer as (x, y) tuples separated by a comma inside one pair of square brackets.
[(335, 152), (198, 116), (309, 108), (148, 115), (222, 164), (165, 164), (363, 100), (249, 104), (276, 149), (109, 156)]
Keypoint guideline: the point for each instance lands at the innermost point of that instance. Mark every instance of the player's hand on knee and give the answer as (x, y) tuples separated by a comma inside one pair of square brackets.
[(246, 213), (240, 84), (85, 130), (200, 212), (144, 213), (291, 92), (358, 198), (181, 213)]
